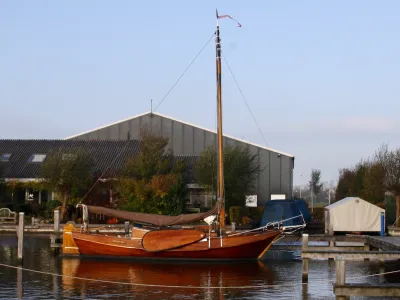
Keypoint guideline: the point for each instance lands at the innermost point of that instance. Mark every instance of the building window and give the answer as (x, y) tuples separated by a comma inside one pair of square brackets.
[(37, 158), (5, 157)]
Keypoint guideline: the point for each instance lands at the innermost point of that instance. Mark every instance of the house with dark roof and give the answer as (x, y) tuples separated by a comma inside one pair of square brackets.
[(21, 161)]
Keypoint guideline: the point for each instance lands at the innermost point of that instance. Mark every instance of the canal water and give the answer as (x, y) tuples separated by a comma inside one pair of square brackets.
[(277, 277)]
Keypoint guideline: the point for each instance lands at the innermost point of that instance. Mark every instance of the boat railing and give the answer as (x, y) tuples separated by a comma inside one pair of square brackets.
[(277, 225)]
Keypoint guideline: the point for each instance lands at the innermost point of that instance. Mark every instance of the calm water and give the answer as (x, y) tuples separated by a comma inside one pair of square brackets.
[(278, 269)]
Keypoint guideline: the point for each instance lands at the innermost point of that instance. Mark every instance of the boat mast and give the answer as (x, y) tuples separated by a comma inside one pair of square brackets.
[(220, 190)]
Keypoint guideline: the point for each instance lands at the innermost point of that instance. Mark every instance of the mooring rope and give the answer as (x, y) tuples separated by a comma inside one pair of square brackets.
[(189, 286)]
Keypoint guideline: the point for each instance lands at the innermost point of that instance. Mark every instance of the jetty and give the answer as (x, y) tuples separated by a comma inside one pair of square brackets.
[(367, 248)]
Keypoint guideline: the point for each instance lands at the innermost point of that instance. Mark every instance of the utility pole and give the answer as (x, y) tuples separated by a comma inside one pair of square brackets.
[(312, 199), (329, 196), (301, 175)]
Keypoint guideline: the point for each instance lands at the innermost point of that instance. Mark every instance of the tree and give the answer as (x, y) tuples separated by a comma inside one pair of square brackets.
[(2, 183), (68, 175), (373, 187), (345, 183), (1, 175), (314, 183), (389, 160), (241, 169), (152, 182), (365, 180)]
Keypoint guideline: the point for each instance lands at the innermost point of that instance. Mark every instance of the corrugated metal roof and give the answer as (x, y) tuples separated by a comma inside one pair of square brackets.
[(183, 122), (103, 153)]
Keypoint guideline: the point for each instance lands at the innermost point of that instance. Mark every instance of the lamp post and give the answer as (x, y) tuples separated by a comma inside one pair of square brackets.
[(329, 195), (301, 175)]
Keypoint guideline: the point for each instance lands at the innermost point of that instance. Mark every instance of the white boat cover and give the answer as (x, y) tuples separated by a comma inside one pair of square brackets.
[(353, 214)]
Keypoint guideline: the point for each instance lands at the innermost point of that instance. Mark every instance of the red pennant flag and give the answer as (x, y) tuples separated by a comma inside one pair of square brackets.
[(228, 16)]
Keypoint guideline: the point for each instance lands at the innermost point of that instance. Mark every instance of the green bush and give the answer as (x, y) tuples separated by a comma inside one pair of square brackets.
[(390, 207), (237, 213), (51, 205), (255, 213), (318, 215)]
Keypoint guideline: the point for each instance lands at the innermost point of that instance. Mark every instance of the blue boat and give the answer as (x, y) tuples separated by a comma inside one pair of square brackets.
[(294, 212)]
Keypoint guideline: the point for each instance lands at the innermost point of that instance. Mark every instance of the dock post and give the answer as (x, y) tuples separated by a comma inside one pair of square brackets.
[(331, 246), (305, 261), (381, 271), (326, 222), (304, 274), (305, 241), (340, 274), (56, 221), (366, 248), (20, 288), (20, 234)]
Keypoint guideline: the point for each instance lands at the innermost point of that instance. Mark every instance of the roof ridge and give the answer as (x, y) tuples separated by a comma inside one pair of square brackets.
[(183, 122)]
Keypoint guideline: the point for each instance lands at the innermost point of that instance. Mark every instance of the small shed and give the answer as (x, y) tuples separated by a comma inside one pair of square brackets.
[(353, 214)]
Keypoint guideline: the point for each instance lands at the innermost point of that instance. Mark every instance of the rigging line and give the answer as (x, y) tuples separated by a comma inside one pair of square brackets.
[(190, 286), (395, 221), (109, 166), (184, 72), (244, 98)]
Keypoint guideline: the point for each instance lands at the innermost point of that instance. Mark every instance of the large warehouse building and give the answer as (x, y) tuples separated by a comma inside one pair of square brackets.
[(187, 139)]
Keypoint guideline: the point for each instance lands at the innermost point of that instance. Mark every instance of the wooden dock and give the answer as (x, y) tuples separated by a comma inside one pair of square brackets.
[(369, 248), (385, 243), (344, 290), (367, 290), (350, 255)]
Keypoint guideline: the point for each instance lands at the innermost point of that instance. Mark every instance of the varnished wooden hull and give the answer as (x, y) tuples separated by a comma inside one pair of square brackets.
[(182, 274), (237, 247)]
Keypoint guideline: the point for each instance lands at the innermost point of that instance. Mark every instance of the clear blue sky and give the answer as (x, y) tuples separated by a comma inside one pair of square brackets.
[(321, 77)]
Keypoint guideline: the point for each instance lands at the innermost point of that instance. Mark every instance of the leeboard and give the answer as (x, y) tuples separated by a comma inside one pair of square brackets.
[(161, 240)]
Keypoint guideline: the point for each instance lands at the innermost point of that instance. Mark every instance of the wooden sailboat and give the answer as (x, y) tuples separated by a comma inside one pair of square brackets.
[(171, 274), (182, 244)]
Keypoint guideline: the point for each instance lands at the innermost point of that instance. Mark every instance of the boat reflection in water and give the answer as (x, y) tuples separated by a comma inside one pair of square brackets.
[(152, 278)]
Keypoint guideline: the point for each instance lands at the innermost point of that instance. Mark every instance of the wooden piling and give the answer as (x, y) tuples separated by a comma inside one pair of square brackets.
[(55, 285), (340, 274), (305, 241), (344, 291), (56, 221), (20, 288), (305, 261), (331, 246), (326, 221), (20, 234), (304, 275), (366, 248), (381, 271)]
